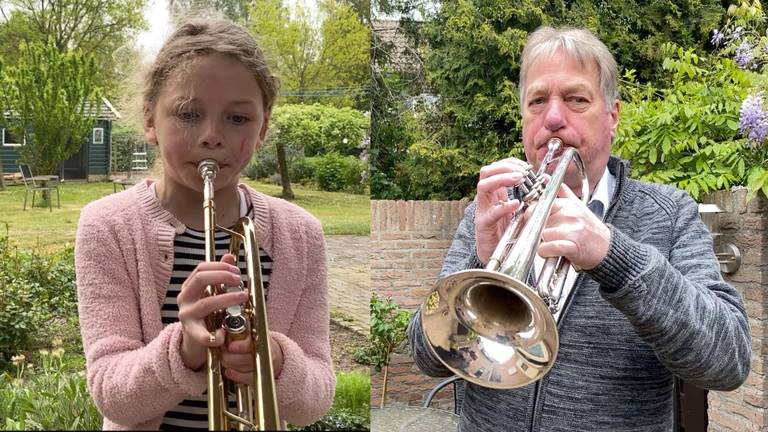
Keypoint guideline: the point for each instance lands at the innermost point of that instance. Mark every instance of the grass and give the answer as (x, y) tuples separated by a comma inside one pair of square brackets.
[(340, 213)]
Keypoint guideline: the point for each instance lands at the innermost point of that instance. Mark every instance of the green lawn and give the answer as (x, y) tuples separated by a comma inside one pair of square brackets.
[(340, 213)]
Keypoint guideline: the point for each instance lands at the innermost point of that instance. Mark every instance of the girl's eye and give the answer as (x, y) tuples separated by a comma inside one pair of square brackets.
[(187, 115), (238, 119)]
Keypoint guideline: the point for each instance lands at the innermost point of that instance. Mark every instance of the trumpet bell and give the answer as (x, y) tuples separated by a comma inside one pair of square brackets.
[(490, 328)]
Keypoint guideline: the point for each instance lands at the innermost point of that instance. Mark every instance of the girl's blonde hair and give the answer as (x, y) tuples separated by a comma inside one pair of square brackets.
[(203, 36)]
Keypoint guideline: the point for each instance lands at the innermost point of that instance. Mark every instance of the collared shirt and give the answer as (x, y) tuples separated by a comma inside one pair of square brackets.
[(601, 199)]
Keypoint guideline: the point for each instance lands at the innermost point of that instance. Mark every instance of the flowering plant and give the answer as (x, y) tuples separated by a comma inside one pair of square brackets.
[(743, 38)]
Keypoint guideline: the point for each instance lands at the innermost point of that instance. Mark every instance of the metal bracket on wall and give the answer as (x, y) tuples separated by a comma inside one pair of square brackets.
[(728, 254)]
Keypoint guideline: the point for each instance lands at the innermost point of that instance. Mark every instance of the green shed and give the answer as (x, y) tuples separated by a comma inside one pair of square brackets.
[(91, 162)]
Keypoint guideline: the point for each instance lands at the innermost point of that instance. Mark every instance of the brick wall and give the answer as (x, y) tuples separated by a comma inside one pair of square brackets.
[(745, 224), (409, 240)]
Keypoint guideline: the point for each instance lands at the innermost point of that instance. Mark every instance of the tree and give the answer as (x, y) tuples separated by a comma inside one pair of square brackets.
[(100, 28), (51, 97), (236, 10), (312, 62)]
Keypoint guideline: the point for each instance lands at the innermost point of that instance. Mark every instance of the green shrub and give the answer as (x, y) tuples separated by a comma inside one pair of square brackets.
[(49, 395), (351, 409), (34, 288), (389, 325), (303, 170), (334, 172)]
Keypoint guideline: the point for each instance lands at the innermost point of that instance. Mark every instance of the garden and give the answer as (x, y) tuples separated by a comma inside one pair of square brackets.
[(67, 95), (42, 379)]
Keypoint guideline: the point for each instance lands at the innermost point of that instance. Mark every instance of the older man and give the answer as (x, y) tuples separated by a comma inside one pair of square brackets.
[(649, 302)]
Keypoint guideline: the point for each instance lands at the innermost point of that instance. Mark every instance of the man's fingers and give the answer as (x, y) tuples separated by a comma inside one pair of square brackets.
[(556, 248), (495, 214), (488, 186), (504, 166)]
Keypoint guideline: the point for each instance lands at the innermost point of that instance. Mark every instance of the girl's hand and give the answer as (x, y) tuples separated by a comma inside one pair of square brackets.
[(236, 360), (193, 308)]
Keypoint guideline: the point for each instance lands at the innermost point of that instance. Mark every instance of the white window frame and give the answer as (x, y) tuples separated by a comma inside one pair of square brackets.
[(101, 141), (5, 144)]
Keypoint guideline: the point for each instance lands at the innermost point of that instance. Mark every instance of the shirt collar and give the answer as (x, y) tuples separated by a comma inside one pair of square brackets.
[(604, 190)]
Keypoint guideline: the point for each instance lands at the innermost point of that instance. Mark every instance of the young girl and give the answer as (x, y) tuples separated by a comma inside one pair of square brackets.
[(140, 253)]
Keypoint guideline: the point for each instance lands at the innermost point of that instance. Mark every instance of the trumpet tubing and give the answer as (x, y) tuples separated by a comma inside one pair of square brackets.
[(490, 326), (257, 401)]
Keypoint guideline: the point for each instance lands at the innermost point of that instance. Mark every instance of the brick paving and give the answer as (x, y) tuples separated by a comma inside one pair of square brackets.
[(349, 283)]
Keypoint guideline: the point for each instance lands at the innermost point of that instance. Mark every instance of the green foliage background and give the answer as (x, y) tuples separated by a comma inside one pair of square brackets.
[(471, 51)]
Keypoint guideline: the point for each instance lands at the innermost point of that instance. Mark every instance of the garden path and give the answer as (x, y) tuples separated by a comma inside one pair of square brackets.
[(349, 283)]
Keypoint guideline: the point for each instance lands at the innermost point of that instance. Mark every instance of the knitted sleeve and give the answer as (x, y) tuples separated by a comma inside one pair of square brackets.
[(681, 306), (131, 382), (307, 382)]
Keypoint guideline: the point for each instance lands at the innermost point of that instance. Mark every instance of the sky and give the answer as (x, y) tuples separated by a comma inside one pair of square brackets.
[(158, 18)]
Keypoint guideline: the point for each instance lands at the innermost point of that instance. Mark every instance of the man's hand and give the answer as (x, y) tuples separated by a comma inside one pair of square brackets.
[(574, 232), (494, 210)]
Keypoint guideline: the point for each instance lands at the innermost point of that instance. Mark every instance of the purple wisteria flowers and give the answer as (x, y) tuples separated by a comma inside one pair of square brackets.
[(753, 120), (717, 38), (744, 55)]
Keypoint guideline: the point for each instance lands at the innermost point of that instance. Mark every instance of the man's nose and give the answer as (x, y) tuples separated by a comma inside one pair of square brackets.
[(211, 135), (554, 117)]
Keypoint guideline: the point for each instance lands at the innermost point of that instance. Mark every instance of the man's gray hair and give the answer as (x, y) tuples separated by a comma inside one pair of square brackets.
[(582, 46)]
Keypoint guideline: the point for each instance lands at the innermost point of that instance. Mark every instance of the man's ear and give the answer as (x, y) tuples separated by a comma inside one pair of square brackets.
[(615, 114), (148, 122)]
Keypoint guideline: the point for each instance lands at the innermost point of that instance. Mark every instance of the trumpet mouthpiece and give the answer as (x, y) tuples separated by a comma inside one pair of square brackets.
[(208, 168), (554, 144)]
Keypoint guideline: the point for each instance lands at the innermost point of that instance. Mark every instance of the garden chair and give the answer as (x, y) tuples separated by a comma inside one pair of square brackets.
[(458, 392), (46, 184)]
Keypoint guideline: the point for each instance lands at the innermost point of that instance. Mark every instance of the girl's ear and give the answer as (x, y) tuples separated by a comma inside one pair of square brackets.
[(263, 131), (150, 133)]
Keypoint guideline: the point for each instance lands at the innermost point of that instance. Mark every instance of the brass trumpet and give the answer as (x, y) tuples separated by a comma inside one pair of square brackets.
[(257, 402), (490, 327)]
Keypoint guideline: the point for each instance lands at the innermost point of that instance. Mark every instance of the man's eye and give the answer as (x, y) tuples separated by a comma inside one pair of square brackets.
[(536, 101)]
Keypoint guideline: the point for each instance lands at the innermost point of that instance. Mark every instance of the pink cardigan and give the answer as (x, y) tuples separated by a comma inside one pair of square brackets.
[(124, 258)]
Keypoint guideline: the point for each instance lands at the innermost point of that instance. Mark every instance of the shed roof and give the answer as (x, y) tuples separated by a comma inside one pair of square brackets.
[(104, 111)]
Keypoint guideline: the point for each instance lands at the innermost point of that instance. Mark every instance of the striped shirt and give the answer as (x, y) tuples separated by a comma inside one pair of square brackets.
[(189, 251)]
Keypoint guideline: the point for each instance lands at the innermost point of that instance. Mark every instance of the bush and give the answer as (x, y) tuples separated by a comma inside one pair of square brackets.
[(389, 326), (334, 172), (303, 170), (34, 288), (351, 405), (51, 395)]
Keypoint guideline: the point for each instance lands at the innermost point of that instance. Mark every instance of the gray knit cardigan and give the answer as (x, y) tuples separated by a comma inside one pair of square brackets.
[(655, 307)]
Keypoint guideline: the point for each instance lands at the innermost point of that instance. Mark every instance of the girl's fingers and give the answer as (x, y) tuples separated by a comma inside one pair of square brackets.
[(205, 306), (240, 377), (194, 287), (196, 331)]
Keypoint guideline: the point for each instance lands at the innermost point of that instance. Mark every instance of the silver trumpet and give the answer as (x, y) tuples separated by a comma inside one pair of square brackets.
[(490, 327)]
